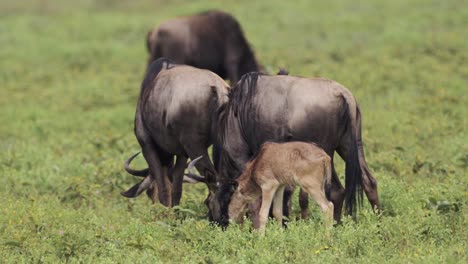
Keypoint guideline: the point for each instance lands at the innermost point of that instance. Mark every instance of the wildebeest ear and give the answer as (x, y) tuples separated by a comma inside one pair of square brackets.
[(138, 188)]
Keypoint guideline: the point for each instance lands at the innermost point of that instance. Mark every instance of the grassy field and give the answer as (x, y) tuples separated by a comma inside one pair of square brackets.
[(69, 81)]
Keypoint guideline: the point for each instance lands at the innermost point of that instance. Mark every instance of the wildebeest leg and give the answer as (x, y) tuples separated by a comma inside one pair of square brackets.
[(267, 197), (286, 201), (177, 179), (156, 170), (337, 194), (304, 203), (278, 204)]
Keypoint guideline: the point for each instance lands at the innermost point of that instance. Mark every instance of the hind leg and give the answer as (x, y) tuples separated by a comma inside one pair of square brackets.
[(304, 203), (287, 203), (177, 179), (278, 204), (318, 194), (161, 180), (154, 156)]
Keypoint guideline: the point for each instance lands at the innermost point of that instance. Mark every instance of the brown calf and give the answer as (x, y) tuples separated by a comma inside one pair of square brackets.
[(276, 166)]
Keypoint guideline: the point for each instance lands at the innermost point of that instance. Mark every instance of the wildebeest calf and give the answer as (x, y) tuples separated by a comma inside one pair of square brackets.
[(276, 166)]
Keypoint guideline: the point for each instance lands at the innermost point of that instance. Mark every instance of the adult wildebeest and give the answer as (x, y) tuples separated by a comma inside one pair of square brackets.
[(283, 108), (210, 40), (275, 167), (174, 116)]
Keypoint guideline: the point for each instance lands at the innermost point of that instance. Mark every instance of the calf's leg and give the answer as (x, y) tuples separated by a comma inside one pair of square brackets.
[(267, 197), (278, 204), (326, 206)]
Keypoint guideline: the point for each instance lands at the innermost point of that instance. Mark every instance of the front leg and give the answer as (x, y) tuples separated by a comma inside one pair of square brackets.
[(267, 197)]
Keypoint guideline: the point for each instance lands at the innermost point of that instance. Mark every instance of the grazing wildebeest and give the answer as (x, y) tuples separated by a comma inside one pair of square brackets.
[(210, 40), (275, 167), (283, 108), (174, 116)]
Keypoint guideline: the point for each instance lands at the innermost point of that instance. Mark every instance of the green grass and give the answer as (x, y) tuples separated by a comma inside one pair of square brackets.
[(69, 80)]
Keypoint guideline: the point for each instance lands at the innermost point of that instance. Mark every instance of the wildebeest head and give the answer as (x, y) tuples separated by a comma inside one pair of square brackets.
[(213, 185)]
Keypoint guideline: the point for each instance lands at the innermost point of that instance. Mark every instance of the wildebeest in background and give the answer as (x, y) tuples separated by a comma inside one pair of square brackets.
[(283, 108), (275, 167), (174, 116), (210, 40)]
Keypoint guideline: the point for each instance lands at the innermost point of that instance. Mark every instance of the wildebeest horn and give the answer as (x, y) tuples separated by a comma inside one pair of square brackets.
[(138, 188), (192, 174), (140, 173)]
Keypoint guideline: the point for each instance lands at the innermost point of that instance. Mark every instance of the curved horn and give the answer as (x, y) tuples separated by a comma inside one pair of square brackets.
[(138, 188), (192, 174), (140, 173)]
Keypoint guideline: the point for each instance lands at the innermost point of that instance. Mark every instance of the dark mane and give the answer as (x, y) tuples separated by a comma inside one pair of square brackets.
[(237, 106), (238, 96)]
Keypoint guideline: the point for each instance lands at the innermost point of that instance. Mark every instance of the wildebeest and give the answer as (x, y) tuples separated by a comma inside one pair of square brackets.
[(283, 108), (174, 116), (211, 40), (275, 167)]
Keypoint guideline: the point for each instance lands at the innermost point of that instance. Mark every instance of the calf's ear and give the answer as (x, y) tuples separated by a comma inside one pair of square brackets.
[(138, 188)]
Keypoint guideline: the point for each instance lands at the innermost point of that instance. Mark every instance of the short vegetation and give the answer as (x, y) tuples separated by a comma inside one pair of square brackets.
[(69, 79)]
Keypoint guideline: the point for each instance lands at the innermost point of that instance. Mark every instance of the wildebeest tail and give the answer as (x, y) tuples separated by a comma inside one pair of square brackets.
[(153, 70), (353, 177)]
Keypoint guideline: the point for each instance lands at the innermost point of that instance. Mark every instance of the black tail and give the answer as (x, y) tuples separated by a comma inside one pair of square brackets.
[(353, 172), (153, 70)]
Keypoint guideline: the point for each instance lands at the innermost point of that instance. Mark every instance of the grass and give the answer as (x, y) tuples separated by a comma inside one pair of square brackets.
[(69, 80)]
